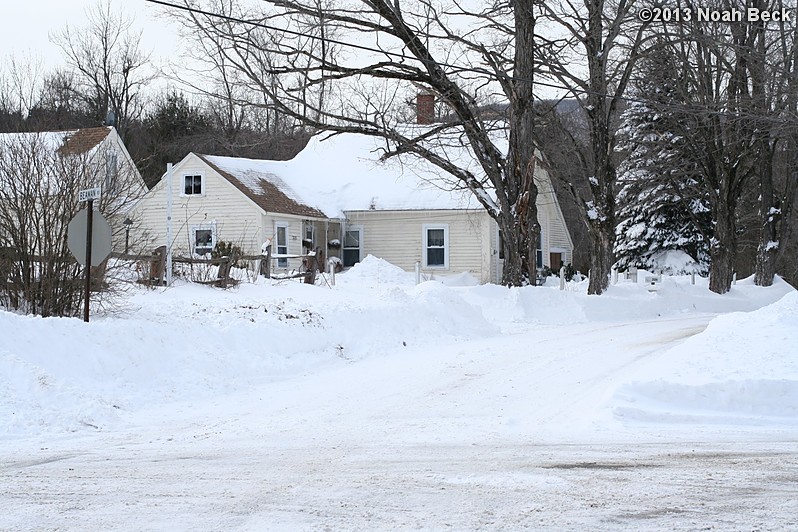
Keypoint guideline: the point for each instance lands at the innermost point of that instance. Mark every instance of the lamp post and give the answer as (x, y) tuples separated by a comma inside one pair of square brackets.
[(127, 223)]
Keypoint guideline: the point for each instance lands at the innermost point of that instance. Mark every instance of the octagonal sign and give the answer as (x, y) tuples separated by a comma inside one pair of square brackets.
[(100, 237)]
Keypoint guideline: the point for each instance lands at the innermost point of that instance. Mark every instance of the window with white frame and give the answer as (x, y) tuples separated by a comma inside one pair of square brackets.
[(436, 246), (203, 238), (353, 245), (193, 185), (308, 240), (281, 242)]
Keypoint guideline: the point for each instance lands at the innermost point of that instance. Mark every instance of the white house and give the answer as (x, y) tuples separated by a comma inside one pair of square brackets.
[(338, 195)]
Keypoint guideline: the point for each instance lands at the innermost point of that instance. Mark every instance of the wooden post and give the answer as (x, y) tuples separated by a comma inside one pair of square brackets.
[(224, 271), (266, 263), (310, 276), (158, 265)]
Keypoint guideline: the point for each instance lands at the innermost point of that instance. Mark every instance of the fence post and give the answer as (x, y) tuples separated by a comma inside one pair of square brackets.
[(266, 261), (562, 277), (331, 267), (418, 272), (310, 277), (692, 277), (158, 265), (224, 271), (614, 275)]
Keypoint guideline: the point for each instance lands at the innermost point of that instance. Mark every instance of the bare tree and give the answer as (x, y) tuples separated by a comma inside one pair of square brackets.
[(772, 60), (19, 91), (388, 53), (40, 176), (593, 52), (725, 119), (112, 67)]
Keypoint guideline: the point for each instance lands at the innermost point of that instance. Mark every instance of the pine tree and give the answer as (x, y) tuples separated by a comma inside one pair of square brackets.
[(660, 204)]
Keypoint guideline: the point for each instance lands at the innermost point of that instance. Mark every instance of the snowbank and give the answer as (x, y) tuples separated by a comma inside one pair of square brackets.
[(192, 343), (741, 370)]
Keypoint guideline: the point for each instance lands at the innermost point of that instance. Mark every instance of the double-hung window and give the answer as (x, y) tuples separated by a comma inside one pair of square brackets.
[(193, 185), (281, 237), (436, 246), (353, 245), (203, 238)]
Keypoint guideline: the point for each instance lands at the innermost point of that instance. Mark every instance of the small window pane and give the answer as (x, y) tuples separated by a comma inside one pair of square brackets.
[(352, 239), (192, 184), (435, 237), (203, 241), (435, 257), (351, 257)]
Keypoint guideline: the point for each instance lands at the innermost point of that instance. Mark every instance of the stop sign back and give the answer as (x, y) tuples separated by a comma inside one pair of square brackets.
[(100, 237)]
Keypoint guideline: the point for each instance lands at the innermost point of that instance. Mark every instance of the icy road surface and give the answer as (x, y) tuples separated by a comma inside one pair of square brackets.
[(505, 432)]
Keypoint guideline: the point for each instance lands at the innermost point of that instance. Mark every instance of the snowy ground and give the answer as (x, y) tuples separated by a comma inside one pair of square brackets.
[(379, 405)]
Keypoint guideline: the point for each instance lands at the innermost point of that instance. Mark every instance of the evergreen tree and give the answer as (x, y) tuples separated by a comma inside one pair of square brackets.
[(660, 203)]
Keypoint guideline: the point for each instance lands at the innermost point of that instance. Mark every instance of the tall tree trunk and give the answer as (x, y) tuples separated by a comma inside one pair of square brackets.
[(723, 249), (519, 225), (765, 268), (767, 249), (601, 218)]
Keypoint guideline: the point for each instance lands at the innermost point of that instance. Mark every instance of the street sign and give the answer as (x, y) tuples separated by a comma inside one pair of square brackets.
[(89, 194), (100, 237)]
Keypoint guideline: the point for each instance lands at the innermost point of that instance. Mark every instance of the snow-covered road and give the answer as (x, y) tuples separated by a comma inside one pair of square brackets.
[(505, 432)]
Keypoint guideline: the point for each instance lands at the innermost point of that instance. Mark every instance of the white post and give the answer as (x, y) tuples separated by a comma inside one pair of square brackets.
[(614, 275), (331, 266), (734, 278), (169, 184), (418, 272), (562, 277), (692, 277)]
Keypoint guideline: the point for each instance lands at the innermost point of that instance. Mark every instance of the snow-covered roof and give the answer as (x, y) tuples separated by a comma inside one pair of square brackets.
[(267, 189), (343, 172), (68, 142)]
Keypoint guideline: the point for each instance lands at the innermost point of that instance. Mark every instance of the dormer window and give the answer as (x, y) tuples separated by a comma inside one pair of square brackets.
[(192, 185)]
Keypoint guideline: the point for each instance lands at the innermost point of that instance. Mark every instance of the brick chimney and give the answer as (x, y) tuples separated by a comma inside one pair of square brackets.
[(425, 108)]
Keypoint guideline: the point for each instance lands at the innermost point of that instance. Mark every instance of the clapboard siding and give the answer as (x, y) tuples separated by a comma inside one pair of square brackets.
[(236, 218), (397, 236)]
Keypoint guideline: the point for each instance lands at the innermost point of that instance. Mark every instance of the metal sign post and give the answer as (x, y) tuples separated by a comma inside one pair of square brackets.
[(89, 224), (98, 239)]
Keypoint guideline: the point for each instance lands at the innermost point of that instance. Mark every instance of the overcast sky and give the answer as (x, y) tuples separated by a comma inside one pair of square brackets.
[(25, 26)]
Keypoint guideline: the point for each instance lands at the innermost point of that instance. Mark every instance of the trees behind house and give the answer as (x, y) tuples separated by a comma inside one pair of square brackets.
[(711, 116), (110, 67)]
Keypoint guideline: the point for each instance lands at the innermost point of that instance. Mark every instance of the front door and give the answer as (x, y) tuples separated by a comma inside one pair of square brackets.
[(555, 259), (353, 245)]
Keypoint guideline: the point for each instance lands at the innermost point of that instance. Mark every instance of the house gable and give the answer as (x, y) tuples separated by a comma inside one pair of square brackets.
[(266, 190)]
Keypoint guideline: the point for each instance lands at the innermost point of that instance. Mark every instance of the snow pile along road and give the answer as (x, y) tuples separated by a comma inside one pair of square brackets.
[(192, 344), (742, 369)]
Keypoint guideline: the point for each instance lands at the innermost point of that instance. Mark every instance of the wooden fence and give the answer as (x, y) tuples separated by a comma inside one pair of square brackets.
[(310, 264)]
